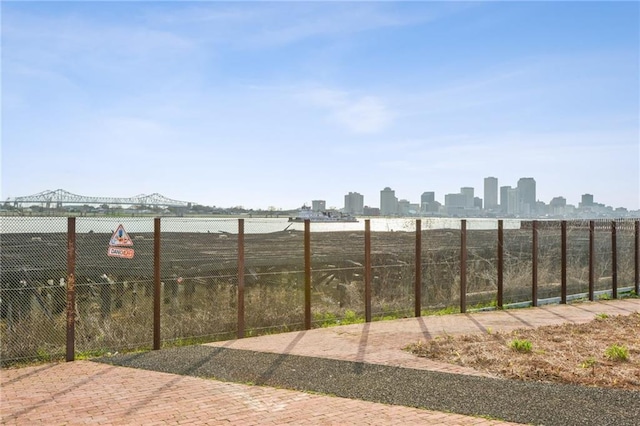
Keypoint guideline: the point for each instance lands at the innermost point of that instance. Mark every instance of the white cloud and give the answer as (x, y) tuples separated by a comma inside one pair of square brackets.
[(358, 114)]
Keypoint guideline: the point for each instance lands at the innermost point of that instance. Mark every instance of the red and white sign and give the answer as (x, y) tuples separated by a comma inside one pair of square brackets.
[(126, 253), (120, 238)]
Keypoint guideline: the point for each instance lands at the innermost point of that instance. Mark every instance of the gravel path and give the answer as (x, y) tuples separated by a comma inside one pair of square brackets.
[(522, 402)]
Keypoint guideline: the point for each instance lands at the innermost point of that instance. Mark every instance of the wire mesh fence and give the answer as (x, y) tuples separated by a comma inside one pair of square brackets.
[(32, 291), (204, 279)]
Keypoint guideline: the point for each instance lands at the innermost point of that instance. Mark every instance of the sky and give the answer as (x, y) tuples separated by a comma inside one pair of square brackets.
[(275, 104)]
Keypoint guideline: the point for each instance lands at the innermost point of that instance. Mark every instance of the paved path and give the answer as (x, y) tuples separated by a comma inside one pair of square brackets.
[(85, 392), (381, 342)]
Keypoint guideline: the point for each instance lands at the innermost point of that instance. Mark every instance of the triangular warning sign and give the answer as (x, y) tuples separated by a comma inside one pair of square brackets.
[(120, 238)]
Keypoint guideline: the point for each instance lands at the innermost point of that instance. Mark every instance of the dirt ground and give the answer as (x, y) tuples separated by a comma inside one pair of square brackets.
[(570, 353)]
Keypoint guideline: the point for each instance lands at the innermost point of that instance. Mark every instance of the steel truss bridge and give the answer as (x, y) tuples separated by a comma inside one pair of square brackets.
[(59, 197)]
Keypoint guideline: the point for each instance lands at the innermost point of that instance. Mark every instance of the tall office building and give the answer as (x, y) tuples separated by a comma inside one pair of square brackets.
[(354, 203), (467, 191), (318, 205), (587, 200), (504, 198), (388, 202), (513, 201), (427, 197), (527, 195), (404, 207), (428, 202), (490, 193)]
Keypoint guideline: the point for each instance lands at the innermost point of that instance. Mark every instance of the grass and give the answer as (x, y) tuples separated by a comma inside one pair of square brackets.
[(523, 346), (617, 353)]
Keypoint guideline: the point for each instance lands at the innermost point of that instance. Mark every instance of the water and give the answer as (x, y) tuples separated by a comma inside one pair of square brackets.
[(13, 224)]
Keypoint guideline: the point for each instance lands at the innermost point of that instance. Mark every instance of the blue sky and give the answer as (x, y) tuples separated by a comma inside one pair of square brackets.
[(265, 104)]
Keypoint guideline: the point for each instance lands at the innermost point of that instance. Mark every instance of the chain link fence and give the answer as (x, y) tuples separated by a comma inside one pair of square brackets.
[(221, 278), (33, 267)]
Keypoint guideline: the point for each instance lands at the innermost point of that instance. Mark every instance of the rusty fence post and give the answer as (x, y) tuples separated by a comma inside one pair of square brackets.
[(71, 288), (637, 257), (418, 283), (367, 270), (592, 257), (307, 274), (563, 265), (534, 264), (614, 261), (240, 331), (500, 264), (463, 266), (157, 285)]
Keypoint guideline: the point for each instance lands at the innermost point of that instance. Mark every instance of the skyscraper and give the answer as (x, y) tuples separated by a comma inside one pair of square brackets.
[(428, 197), (388, 202), (318, 205), (504, 198), (468, 192), (354, 203), (527, 195), (427, 202), (490, 193)]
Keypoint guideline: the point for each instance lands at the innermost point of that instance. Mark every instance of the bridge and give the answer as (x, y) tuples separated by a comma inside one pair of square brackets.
[(60, 197)]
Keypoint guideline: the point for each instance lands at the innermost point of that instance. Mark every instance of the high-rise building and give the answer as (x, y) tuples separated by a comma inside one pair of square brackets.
[(477, 203), (427, 197), (388, 202), (490, 193), (467, 191), (587, 200), (428, 202), (504, 198), (513, 201), (404, 207), (354, 203), (318, 205), (527, 195)]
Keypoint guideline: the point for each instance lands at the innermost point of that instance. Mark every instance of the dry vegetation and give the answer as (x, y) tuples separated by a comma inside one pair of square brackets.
[(591, 354)]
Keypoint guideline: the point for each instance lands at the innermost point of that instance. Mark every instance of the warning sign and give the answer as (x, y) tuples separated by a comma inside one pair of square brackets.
[(125, 253), (120, 238)]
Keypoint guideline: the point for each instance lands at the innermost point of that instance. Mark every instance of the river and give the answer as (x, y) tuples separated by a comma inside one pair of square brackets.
[(252, 225)]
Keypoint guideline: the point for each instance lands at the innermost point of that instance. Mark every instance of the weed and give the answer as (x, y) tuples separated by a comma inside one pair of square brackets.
[(588, 363), (519, 345), (351, 317), (617, 353), (604, 296), (602, 316)]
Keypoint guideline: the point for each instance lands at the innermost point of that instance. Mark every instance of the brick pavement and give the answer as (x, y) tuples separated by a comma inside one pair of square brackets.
[(84, 392)]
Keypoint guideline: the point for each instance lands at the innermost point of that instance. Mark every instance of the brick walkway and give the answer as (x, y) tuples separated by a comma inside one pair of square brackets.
[(85, 392)]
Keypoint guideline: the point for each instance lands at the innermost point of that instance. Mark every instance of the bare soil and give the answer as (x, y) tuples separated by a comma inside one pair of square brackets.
[(569, 353)]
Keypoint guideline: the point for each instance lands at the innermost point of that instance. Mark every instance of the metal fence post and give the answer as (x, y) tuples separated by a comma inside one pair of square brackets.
[(307, 274), (563, 266), (71, 288), (614, 261), (367, 270), (418, 282), (592, 257), (156, 284), (463, 266), (534, 264), (240, 331), (500, 263)]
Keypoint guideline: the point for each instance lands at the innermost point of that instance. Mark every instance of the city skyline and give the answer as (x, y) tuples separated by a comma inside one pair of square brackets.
[(265, 104), (355, 202)]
